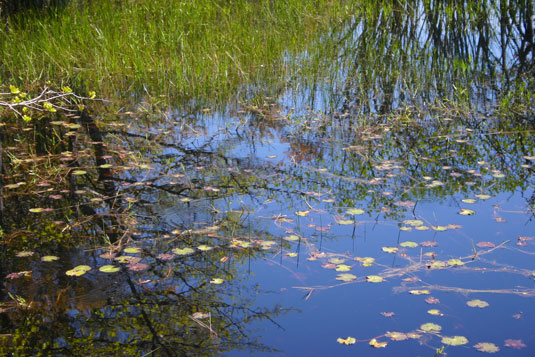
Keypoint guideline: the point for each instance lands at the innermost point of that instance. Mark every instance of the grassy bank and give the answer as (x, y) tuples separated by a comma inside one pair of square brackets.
[(201, 48)]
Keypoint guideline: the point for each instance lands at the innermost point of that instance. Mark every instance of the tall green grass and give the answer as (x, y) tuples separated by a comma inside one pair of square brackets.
[(193, 49)]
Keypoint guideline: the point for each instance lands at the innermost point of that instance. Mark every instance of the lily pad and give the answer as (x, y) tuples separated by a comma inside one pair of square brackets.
[(486, 347), (355, 211), (336, 260), (430, 327), (517, 344), (374, 279), (204, 247), (409, 244), (346, 277), (183, 251), (413, 222), (345, 221), (343, 267), (291, 254), (455, 262), (346, 341), (24, 254), (435, 312), (469, 200), (466, 212), (483, 196), (477, 303), (132, 250), (390, 249), (49, 258), (455, 340), (376, 344), (366, 261), (217, 281), (291, 238), (438, 264), (420, 292), (78, 270), (396, 336), (109, 269)]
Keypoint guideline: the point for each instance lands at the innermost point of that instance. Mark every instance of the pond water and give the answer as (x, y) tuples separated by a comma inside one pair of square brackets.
[(334, 219)]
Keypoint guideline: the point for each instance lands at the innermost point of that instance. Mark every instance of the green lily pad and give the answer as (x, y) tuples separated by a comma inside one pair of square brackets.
[(366, 261), (183, 251), (477, 303), (355, 211), (345, 221), (430, 327), (397, 336), (413, 222), (439, 228), (132, 250), (125, 259), (374, 279), (343, 267), (336, 260), (49, 258), (291, 255), (483, 196), (409, 244), (109, 269), (469, 200), (204, 247), (438, 264), (422, 228), (466, 212), (435, 312), (291, 238), (455, 262), (405, 228), (455, 340), (419, 292), (346, 277), (78, 270), (217, 281), (390, 249)]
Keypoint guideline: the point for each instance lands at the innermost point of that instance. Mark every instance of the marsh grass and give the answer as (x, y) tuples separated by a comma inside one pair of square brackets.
[(199, 49)]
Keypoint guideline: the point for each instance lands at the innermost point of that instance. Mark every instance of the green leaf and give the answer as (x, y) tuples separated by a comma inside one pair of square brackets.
[(455, 262), (13, 89), (345, 221), (343, 267), (397, 336), (438, 264), (469, 200), (78, 271), (183, 251), (435, 312), (477, 303), (346, 277), (49, 107), (109, 269), (466, 212), (390, 249), (430, 327), (291, 254), (132, 250), (409, 244), (79, 172), (420, 292), (413, 222), (204, 247), (483, 196), (455, 340), (291, 238), (336, 260), (355, 211), (217, 281), (49, 258)]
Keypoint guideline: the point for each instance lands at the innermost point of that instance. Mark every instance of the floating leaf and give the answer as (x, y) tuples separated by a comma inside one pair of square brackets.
[(183, 251), (336, 260), (420, 292), (477, 303), (49, 258), (204, 247), (355, 211), (413, 222), (24, 254), (518, 344), (435, 312), (483, 196), (374, 279), (109, 269), (79, 172), (347, 341), (466, 212), (165, 256), (429, 243), (390, 249), (397, 336), (343, 267), (291, 255), (485, 244), (125, 259), (375, 344), (409, 244), (439, 228), (291, 238), (346, 277), (217, 281), (486, 347), (135, 266), (455, 262), (387, 314), (405, 228), (345, 221), (37, 210), (438, 264), (413, 335), (430, 327), (132, 250), (422, 228), (366, 261), (302, 213), (469, 200), (455, 340), (405, 203), (78, 271), (432, 300)]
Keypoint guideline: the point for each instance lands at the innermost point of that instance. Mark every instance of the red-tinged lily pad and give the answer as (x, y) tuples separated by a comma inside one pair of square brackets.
[(518, 344), (397, 336), (137, 266), (430, 327), (19, 274), (477, 303), (485, 245), (376, 344), (328, 266), (346, 341), (420, 292), (429, 243), (387, 314), (366, 261), (165, 256), (346, 277), (374, 279), (486, 347), (432, 300), (108, 255), (455, 340)]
